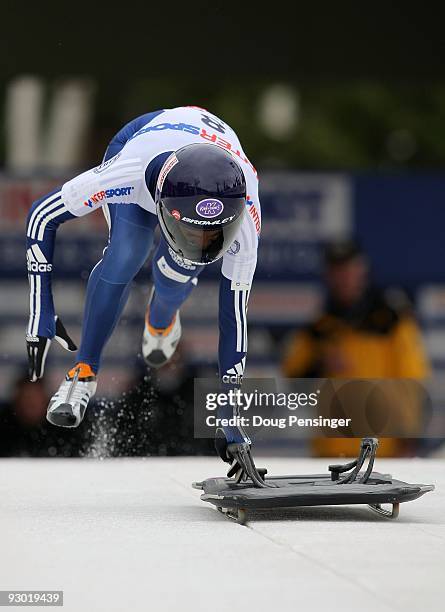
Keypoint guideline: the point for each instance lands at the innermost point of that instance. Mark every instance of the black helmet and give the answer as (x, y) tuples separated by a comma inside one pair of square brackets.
[(200, 201)]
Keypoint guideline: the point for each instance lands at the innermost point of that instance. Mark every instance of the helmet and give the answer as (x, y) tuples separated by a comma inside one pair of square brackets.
[(200, 200)]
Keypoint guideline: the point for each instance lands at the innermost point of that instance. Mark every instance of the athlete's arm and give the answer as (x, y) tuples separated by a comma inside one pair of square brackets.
[(44, 217), (238, 269)]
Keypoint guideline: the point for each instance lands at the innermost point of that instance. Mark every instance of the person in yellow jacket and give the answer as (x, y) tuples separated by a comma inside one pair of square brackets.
[(364, 332)]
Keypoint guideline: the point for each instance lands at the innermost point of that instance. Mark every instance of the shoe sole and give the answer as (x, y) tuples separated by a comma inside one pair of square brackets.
[(63, 417), (156, 359)]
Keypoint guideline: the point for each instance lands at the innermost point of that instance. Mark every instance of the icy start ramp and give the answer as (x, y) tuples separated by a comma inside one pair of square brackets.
[(131, 535)]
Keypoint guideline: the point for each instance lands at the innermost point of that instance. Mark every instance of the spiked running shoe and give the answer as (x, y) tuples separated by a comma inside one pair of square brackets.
[(68, 405), (158, 345)]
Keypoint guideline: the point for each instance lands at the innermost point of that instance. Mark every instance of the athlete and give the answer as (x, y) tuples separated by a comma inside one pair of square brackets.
[(181, 168)]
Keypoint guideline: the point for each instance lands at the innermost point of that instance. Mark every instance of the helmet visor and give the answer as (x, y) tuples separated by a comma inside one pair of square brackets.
[(198, 244)]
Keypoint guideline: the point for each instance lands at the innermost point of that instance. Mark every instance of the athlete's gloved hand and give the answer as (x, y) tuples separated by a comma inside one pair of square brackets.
[(229, 434), (221, 445), (37, 347)]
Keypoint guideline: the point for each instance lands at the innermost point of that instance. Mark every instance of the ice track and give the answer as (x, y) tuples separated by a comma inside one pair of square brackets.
[(132, 535)]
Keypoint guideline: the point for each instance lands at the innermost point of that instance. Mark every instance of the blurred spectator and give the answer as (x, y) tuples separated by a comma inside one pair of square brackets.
[(24, 431), (363, 332)]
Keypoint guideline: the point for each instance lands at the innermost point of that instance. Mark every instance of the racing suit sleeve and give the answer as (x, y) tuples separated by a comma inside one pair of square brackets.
[(44, 217), (238, 269)]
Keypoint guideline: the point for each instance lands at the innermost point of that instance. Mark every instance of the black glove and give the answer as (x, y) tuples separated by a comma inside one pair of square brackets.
[(37, 347), (221, 445)]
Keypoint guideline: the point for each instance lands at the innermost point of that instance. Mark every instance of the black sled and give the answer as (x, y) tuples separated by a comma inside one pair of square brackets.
[(247, 487)]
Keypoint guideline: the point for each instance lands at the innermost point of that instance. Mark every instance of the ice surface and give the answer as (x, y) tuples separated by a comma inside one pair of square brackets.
[(132, 535)]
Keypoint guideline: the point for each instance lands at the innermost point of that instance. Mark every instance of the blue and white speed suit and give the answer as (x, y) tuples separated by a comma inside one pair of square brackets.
[(124, 187)]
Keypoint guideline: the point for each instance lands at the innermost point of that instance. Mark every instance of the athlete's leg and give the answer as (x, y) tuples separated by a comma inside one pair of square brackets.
[(131, 239), (173, 281)]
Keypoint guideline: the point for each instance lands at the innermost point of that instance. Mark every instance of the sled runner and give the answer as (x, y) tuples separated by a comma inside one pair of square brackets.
[(345, 484)]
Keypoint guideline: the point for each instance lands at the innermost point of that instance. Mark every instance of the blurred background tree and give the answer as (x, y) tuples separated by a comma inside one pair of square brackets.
[(350, 88)]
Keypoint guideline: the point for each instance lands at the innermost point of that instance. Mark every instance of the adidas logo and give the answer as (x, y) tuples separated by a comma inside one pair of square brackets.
[(234, 375), (36, 260)]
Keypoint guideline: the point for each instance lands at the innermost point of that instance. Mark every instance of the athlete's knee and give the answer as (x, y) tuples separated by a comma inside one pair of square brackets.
[(169, 280), (168, 268)]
